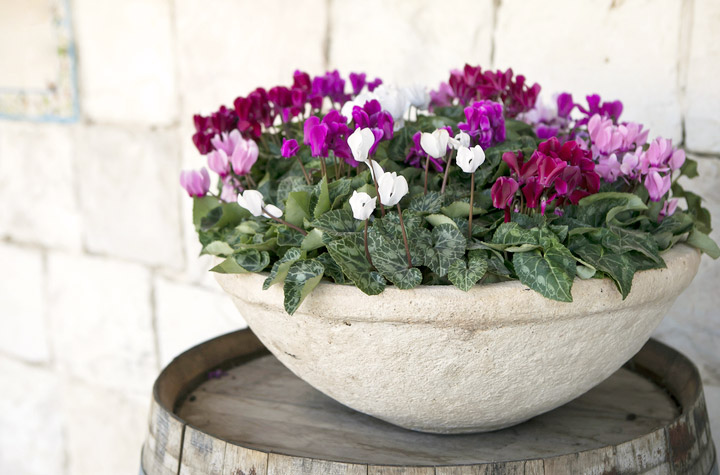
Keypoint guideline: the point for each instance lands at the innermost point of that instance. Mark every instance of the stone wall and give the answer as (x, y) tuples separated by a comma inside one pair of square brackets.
[(102, 285)]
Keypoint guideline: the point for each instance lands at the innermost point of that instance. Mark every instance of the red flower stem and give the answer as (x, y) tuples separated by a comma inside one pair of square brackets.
[(367, 251), (427, 167), (377, 191), (282, 221), (472, 204), (302, 167), (447, 172), (402, 226)]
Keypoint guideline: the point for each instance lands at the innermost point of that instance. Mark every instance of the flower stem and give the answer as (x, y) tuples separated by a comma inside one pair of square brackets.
[(367, 251), (302, 167), (447, 172), (282, 221), (323, 167), (377, 191), (402, 226), (427, 167), (472, 204)]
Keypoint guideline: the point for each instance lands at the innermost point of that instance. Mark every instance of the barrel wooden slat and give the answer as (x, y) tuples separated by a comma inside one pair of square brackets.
[(259, 419)]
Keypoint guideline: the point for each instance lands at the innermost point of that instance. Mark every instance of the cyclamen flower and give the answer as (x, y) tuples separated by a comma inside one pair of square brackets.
[(241, 153), (657, 185), (391, 188), (195, 182), (668, 208), (503, 191), (362, 205), (435, 144), (361, 142), (394, 101), (484, 123), (327, 134), (416, 155), (460, 140), (370, 115), (469, 159), (252, 200), (230, 187), (224, 120), (418, 96), (289, 148)]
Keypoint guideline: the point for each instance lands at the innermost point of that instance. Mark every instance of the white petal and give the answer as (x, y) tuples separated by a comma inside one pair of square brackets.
[(464, 159), (400, 189), (385, 186), (355, 142), (478, 155), (429, 144), (272, 210), (377, 170)]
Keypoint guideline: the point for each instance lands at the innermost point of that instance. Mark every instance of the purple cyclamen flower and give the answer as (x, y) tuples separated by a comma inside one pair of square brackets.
[(374, 84), (484, 123), (289, 148), (316, 138), (357, 80), (668, 208), (195, 182), (565, 105)]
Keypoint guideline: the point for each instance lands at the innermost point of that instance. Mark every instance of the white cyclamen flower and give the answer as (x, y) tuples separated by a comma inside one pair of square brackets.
[(394, 101), (377, 170), (360, 143), (461, 140), (435, 144), (391, 188), (252, 200), (362, 205), (469, 159), (418, 96)]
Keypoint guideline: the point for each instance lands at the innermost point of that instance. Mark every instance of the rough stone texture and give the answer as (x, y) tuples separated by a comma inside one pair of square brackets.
[(127, 68), (105, 431), (701, 120), (37, 187), (364, 351), (712, 400), (31, 424), (410, 41), (256, 44), (22, 300), (693, 323), (619, 57), (187, 315), (129, 194), (101, 322)]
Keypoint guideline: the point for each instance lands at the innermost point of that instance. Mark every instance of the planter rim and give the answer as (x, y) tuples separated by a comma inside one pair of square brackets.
[(498, 303)]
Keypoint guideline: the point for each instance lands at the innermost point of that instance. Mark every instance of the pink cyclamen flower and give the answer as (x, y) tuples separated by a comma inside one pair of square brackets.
[(219, 162), (195, 182), (668, 208), (244, 156), (233, 148), (503, 191), (289, 148), (657, 185)]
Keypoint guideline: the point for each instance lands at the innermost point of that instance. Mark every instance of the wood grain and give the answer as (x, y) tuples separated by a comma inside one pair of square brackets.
[(257, 418)]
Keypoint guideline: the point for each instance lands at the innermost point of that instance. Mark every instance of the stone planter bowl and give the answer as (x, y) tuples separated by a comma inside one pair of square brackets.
[(437, 359)]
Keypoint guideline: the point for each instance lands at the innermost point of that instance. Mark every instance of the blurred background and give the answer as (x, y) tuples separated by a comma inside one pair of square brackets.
[(101, 283)]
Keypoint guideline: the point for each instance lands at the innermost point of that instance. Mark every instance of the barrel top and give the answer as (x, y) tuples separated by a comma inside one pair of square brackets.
[(230, 395)]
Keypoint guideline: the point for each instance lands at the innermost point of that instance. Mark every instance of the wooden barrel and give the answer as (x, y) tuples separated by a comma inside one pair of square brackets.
[(228, 407)]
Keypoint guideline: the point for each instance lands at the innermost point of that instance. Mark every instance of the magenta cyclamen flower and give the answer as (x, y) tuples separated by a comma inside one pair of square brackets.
[(289, 148), (195, 182), (485, 123), (502, 193)]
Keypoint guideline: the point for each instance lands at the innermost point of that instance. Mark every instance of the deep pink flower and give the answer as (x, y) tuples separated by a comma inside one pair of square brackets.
[(357, 80), (289, 148), (548, 169), (532, 192), (503, 191), (316, 138), (195, 182)]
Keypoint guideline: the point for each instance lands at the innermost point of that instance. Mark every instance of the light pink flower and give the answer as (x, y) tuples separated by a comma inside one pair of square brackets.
[(657, 185), (195, 182)]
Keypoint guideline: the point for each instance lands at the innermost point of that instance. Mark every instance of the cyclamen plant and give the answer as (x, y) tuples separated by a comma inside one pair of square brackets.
[(477, 182)]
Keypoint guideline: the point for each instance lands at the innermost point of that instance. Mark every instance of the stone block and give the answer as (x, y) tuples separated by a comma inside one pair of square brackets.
[(256, 44), (105, 429), (712, 399), (126, 61), (31, 422), (101, 322), (407, 42), (38, 202), (703, 101), (22, 303), (129, 189), (606, 47), (188, 315)]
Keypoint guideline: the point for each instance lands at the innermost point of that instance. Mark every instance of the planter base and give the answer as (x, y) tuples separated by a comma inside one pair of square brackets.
[(257, 417)]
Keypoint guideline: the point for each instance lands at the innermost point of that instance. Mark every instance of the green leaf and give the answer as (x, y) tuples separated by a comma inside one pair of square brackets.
[(689, 168), (250, 260), (438, 219), (585, 272), (427, 204), (466, 274), (287, 236), (619, 267), (550, 273), (338, 222), (290, 184), (460, 209), (313, 240), (297, 207), (218, 248), (301, 279), (332, 269), (702, 241), (349, 253), (281, 267), (448, 246), (227, 214), (621, 240), (512, 234), (605, 207), (389, 257), (201, 207), (339, 190), (323, 200)]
